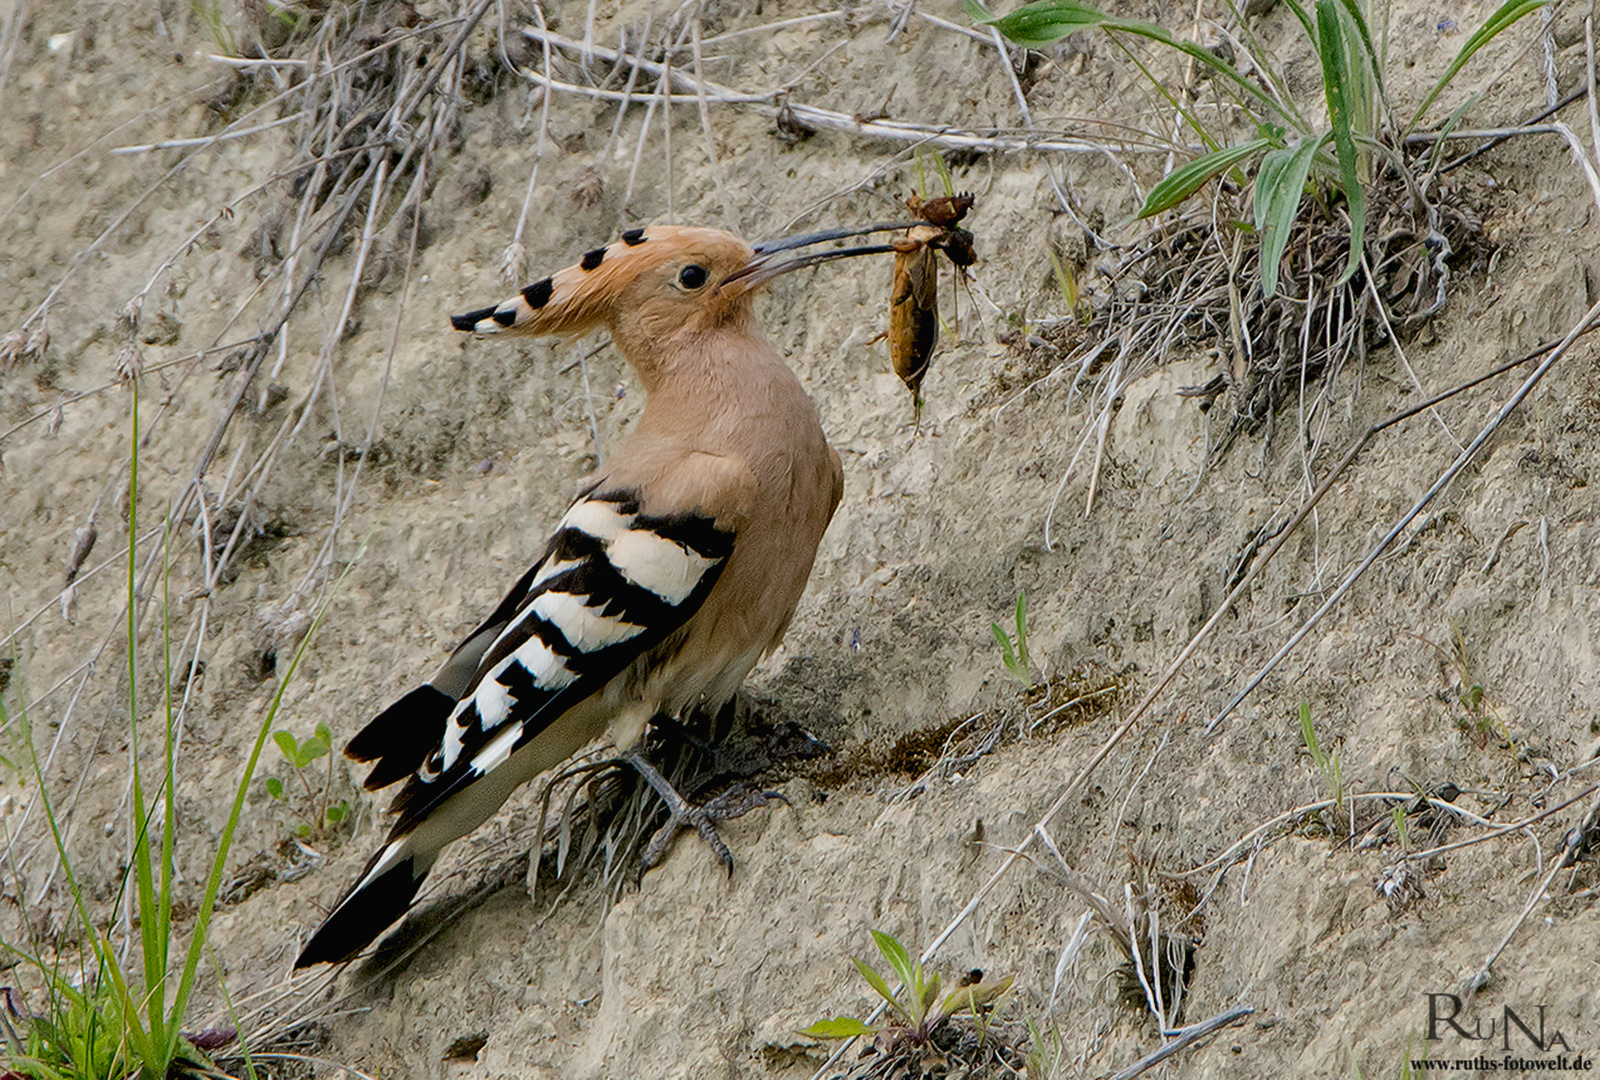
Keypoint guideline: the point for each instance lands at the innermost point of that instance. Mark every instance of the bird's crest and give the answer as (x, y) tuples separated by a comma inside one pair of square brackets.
[(580, 297)]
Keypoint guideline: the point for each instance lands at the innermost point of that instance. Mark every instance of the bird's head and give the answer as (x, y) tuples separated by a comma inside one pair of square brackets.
[(654, 283)]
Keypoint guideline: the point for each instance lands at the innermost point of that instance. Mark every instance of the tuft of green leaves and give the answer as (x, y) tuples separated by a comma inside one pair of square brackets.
[(916, 1011), (1014, 650), (1292, 150), (81, 1037)]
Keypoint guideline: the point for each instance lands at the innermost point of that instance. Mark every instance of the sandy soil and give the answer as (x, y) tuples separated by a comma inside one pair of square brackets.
[(478, 445)]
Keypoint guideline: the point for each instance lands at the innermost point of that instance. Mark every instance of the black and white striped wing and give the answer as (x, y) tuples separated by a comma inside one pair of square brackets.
[(613, 584)]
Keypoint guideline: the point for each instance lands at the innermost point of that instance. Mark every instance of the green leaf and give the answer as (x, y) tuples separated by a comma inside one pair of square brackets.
[(930, 994), (275, 787), (973, 998), (312, 749), (338, 812), (1187, 179), (1374, 64), (1309, 734), (1280, 184), (323, 733), (878, 983), (895, 953), (1042, 23), (1022, 631), (1507, 14), (290, 748), (1008, 655), (1047, 21), (1336, 81), (840, 1027)]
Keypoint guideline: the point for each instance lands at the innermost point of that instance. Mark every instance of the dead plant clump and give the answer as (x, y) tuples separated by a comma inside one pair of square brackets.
[(1197, 283), (961, 1049)]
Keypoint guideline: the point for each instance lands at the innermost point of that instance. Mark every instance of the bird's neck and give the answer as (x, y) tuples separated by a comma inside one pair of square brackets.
[(723, 389), (722, 363)]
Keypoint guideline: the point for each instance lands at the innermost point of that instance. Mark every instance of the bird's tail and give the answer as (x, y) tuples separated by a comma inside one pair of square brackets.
[(381, 895)]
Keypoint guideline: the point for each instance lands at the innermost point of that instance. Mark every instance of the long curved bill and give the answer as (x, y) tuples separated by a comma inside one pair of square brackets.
[(770, 262)]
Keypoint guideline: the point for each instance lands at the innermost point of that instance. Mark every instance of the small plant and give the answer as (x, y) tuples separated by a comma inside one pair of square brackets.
[(1044, 1053), (1400, 830), (1071, 291), (914, 1016), (211, 14), (1014, 651), (1330, 768), (1362, 125), (320, 813), (1476, 720)]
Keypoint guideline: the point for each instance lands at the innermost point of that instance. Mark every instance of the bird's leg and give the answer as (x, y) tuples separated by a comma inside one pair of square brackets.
[(730, 804), (682, 811)]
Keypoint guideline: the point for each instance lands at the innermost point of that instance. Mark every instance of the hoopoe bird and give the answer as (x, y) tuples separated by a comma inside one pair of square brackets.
[(676, 570)]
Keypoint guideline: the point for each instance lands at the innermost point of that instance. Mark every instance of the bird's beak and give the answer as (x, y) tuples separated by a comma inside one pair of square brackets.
[(769, 262)]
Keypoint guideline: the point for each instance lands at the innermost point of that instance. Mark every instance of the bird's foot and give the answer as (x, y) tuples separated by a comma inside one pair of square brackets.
[(735, 802)]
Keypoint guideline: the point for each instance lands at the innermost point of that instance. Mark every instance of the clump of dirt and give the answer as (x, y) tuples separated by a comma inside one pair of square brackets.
[(1056, 704)]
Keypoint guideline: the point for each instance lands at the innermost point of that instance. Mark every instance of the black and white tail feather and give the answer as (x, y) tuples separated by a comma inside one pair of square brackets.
[(612, 588)]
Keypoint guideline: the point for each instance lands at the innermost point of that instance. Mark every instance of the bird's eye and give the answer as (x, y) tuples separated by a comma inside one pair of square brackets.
[(693, 276)]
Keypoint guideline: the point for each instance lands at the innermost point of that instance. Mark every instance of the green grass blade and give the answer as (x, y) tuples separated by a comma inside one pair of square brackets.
[(1185, 180), (1504, 16), (233, 1016), (1257, 51), (1309, 733), (1374, 62), (59, 988), (930, 995), (1022, 632), (143, 1045), (1280, 185), (169, 786), (1162, 36), (1336, 81), (144, 878), (1167, 95), (1450, 124), (1008, 656)]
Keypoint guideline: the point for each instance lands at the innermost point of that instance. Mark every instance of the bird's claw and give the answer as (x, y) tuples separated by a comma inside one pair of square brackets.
[(735, 802), (701, 819)]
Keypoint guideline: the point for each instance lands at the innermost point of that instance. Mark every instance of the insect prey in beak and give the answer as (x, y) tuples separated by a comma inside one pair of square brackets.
[(914, 296)]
